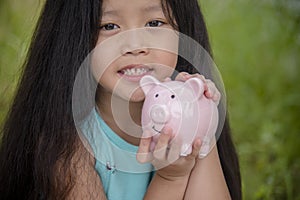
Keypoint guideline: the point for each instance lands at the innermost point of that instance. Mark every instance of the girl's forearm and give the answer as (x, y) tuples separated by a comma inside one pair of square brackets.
[(207, 179), (161, 188)]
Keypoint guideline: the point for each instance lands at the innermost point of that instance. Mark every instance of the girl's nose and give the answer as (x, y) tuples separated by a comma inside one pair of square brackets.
[(134, 44), (135, 51)]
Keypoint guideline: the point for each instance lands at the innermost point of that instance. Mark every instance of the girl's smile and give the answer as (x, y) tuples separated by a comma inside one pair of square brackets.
[(134, 72)]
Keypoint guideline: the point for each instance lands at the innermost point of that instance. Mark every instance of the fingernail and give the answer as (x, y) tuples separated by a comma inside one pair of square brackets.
[(208, 94)]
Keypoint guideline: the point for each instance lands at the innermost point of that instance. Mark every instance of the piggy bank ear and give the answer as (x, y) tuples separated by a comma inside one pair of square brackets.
[(147, 83), (196, 85)]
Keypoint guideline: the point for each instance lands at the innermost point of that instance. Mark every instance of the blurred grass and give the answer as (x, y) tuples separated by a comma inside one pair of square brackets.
[(17, 20), (256, 45)]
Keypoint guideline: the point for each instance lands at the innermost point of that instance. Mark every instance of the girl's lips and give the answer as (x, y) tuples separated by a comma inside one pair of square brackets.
[(134, 72)]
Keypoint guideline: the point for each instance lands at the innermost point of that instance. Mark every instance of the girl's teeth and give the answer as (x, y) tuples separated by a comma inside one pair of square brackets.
[(135, 72)]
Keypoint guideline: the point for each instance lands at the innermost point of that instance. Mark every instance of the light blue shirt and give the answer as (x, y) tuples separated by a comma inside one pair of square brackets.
[(122, 176)]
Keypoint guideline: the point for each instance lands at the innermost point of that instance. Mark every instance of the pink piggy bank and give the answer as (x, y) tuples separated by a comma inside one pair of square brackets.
[(183, 107)]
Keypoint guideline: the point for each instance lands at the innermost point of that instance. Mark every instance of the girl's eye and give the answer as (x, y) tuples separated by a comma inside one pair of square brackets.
[(155, 23), (109, 27)]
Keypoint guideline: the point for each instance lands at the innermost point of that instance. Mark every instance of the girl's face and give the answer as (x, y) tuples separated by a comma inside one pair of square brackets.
[(135, 39)]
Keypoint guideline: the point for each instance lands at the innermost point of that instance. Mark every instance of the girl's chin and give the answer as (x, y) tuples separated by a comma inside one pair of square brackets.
[(137, 99), (137, 96)]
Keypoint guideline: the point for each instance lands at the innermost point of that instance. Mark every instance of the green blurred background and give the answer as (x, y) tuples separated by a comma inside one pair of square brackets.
[(256, 45)]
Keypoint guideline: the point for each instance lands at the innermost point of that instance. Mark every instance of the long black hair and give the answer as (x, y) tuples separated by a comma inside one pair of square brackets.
[(39, 129)]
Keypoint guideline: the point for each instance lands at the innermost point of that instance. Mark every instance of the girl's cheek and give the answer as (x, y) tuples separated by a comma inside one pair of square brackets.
[(168, 59)]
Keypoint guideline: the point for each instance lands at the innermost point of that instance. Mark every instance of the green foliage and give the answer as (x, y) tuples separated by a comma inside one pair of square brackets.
[(256, 45), (17, 20)]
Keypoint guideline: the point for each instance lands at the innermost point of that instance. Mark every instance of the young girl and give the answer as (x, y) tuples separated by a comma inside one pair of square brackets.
[(42, 155)]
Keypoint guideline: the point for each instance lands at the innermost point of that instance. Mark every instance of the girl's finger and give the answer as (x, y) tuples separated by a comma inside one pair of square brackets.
[(143, 154), (182, 76), (212, 92), (161, 148), (210, 89), (216, 97), (174, 151), (201, 77)]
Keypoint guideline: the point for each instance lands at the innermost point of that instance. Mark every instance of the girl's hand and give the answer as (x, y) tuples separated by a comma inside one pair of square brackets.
[(166, 156), (210, 89)]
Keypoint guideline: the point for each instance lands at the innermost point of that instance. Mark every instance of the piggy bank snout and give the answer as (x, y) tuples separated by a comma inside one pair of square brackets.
[(160, 114)]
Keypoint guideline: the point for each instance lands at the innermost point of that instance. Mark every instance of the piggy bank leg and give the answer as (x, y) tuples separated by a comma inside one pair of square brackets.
[(186, 149), (205, 148)]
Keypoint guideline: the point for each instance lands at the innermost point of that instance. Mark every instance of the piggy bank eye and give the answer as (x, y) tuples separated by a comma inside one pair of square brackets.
[(172, 96), (156, 95)]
